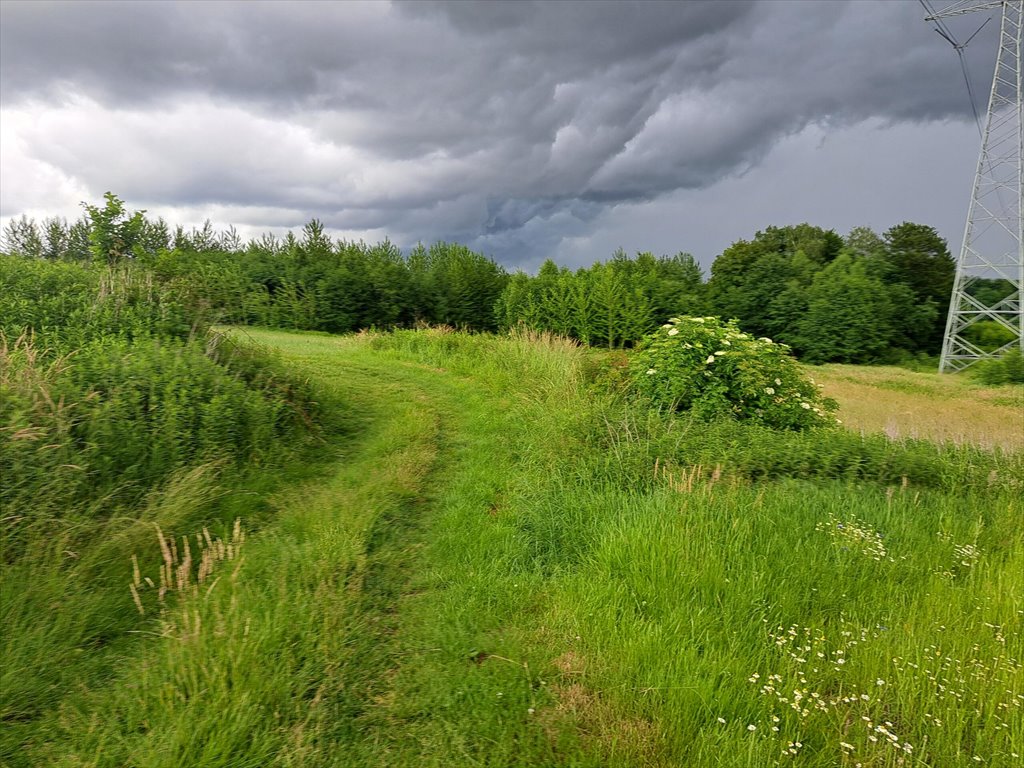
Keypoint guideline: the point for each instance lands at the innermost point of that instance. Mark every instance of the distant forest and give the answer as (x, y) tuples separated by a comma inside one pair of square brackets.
[(859, 299)]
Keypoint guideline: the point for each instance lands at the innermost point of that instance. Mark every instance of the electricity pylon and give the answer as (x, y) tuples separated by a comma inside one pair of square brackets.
[(993, 245)]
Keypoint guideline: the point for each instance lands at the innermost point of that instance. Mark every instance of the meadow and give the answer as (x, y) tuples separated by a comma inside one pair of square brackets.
[(480, 551), (931, 406)]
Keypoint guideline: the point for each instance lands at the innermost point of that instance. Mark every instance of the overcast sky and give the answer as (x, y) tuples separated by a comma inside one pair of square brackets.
[(525, 130)]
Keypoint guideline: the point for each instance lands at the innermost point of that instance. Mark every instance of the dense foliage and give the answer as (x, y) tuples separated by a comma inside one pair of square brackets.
[(714, 370), (1009, 369), (855, 300), (609, 304), (860, 299), (110, 381), (309, 282)]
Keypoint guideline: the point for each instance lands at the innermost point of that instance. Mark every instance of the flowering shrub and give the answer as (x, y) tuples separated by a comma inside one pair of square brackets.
[(714, 370)]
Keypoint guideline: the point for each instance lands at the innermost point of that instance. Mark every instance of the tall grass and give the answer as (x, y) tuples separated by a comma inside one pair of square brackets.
[(117, 417), (120, 414), (523, 361), (110, 383), (633, 441)]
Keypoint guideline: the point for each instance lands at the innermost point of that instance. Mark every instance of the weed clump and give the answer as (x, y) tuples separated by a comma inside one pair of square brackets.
[(714, 370)]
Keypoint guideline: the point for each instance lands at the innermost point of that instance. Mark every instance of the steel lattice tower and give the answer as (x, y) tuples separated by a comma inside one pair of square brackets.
[(993, 244)]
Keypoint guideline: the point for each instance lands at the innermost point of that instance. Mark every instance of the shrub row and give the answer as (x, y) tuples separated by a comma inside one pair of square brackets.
[(110, 381)]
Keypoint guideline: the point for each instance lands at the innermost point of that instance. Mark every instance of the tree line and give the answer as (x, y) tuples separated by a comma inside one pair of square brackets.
[(861, 298)]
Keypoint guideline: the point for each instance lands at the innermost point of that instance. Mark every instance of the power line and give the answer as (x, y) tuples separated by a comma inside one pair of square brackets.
[(947, 34)]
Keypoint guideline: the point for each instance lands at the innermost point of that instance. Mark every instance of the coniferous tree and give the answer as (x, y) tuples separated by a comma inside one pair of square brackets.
[(55, 238), (607, 290), (584, 307), (21, 237)]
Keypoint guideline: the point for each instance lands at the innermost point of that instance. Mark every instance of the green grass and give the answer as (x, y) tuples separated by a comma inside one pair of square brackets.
[(498, 565)]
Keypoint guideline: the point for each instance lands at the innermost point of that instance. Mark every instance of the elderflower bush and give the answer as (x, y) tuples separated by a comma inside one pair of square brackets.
[(714, 370)]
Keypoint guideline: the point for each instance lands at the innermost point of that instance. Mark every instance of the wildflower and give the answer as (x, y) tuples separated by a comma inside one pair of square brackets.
[(673, 332), (711, 359), (805, 406), (778, 382), (751, 727), (720, 352), (721, 720), (769, 391), (667, 325), (879, 681), (650, 371)]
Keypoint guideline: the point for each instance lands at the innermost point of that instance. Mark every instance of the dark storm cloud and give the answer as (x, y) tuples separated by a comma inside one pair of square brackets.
[(299, 51), (130, 53), (504, 124)]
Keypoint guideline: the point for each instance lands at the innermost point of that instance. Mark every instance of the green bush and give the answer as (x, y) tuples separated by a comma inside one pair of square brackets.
[(988, 335), (714, 370), (1008, 369), (110, 381), (122, 415), (66, 306)]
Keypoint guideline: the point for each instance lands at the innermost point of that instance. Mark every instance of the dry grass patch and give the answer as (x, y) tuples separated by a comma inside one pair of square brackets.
[(619, 738), (943, 408), (570, 663)]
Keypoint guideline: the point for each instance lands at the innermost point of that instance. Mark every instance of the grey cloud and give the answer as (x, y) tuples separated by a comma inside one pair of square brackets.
[(508, 125), (277, 54)]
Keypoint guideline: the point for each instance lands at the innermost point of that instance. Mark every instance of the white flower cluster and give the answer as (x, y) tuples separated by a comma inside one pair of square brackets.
[(855, 534)]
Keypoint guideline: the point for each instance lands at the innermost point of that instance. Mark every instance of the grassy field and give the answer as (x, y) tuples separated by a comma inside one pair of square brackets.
[(499, 564), (902, 403)]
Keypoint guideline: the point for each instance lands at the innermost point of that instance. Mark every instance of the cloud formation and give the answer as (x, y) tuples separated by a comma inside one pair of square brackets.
[(510, 126)]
